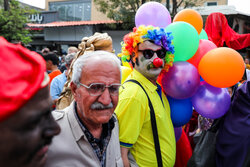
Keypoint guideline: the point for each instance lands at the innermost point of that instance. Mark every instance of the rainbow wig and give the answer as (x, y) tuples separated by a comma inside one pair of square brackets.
[(141, 34)]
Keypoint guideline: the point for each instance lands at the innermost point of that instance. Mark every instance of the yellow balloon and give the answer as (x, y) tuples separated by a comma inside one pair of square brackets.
[(126, 64), (125, 72)]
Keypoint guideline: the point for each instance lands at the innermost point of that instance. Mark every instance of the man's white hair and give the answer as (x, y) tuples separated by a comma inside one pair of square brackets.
[(69, 58), (82, 61)]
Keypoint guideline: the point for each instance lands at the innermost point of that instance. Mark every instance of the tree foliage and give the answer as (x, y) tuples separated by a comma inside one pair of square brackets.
[(125, 10), (120, 10), (13, 21), (177, 4)]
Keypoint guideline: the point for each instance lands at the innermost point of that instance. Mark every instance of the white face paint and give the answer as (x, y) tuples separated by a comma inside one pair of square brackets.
[(145, 66)]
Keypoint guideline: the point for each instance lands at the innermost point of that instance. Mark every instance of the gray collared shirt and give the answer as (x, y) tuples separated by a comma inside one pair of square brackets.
[(71, 147)]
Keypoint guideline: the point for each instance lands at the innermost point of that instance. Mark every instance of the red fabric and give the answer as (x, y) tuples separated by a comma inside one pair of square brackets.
[(53, 74), (219, 32), (22, 72), (183, 151)]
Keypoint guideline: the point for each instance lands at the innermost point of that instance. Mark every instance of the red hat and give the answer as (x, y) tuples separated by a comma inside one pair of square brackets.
[(22, 74)]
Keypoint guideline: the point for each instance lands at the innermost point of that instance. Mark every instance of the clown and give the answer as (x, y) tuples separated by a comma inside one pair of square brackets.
[(150, 51)]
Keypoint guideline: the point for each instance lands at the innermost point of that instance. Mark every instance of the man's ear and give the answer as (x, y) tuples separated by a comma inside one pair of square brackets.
[(73, 87)]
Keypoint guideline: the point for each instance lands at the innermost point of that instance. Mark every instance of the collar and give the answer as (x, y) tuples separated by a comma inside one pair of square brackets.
[(77, 126), (143, 80)]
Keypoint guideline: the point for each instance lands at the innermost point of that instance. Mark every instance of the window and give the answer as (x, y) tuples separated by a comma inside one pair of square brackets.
[(211, 3), (72, 10)]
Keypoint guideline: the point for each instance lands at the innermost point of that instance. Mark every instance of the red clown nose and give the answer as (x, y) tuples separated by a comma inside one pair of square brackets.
[(157, 62)]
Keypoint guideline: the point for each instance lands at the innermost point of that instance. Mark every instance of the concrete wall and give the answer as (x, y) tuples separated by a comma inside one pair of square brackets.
[(67, 33), (117, 37), (74, 35)]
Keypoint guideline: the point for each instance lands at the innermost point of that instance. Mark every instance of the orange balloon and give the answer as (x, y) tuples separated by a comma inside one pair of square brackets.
[(222, 67), (192, 17)]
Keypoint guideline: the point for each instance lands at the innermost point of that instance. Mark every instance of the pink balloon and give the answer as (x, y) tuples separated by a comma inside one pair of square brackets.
[(204, 47), (181, 81), (152, 13)]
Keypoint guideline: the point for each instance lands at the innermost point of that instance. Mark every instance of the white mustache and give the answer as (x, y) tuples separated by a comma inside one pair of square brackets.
[(100, 106)]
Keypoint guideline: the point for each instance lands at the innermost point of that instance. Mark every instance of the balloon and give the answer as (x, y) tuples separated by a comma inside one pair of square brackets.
[(204, 47), (222, 67), (211, 102), (177, 132), (152, 13), (125, 73), (186, 40), (203, 35), (181, 111), (181, 81), (190, 16), (126, 64)]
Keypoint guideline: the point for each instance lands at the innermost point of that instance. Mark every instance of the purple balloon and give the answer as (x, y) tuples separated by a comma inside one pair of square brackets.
[(177, 132), (211, 102), (152, 13), (181, 81)]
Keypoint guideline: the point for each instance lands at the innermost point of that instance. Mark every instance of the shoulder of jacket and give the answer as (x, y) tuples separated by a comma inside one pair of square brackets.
[(57, 114)]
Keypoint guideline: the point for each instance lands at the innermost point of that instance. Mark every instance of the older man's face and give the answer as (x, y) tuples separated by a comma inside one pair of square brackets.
[(25, 136), (104, 72), (145, 66)]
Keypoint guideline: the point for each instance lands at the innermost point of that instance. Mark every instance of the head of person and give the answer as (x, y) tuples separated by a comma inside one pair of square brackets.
[(98, 41), (26, 123), (51, 60), (246, 61), (68, 59), (72, 49), (95, 86), (45, 51), (149, 49)]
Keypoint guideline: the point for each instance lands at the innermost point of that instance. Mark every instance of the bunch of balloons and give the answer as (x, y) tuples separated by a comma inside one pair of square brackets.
[(195, 57)]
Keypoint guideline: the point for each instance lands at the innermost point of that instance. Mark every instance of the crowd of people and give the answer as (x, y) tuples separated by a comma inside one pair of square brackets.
[(98, 121)]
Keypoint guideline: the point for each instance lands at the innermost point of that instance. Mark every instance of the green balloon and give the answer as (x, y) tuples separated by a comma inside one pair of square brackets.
[(203, 35), (186, 40)]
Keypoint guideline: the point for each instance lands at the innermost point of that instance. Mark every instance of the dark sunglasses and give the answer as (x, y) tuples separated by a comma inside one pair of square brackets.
[(148, 53)]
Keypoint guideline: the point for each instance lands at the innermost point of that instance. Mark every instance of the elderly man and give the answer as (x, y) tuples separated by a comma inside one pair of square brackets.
[(90, 134), (98, 41), (143, 109), (26, 124), (58, 82)]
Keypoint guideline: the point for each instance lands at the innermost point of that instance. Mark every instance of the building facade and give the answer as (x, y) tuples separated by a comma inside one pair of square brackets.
[(65, 22)]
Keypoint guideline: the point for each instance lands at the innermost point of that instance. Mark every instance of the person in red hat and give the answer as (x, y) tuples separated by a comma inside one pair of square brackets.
[(26, 124)]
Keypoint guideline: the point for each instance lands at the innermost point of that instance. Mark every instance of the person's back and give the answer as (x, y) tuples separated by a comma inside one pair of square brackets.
[(233, 140)]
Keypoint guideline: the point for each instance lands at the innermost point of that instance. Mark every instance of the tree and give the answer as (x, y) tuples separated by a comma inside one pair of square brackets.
[(13, 21), (1, 4), (120, 10), (176, 4), (125, 10)]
